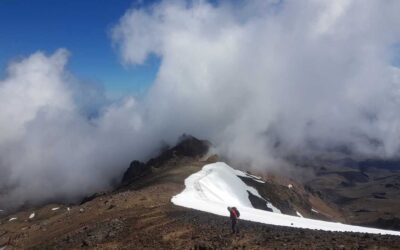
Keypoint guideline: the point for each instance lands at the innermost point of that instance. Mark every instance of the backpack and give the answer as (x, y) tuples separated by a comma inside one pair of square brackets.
[(236, 211)]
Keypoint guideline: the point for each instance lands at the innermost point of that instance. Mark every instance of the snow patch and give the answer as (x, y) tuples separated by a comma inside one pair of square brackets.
[(243, 174), (273, 208), (55, 208), (299, 214), (217, 183), (13, 218), (216, 187), (315, 211), (32, 216), (290, 186)]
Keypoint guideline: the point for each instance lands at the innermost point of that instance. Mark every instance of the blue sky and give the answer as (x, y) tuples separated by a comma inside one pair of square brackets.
[(80, 26)]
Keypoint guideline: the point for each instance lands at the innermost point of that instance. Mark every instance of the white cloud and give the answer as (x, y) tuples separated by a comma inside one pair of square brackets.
[(51, 145), (330, 13), (243, 74), (33, 84)]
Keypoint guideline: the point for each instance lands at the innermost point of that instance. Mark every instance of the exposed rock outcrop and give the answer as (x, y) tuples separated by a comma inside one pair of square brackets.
[(188, 146)]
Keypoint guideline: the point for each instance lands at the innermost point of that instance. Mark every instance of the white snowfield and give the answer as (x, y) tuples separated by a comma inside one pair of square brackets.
[(217, 186)]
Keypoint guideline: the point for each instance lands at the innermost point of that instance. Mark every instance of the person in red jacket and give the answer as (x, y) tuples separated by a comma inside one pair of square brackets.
[(234, 216)]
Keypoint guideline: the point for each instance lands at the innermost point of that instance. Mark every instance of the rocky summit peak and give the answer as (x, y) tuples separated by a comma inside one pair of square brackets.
[(187, 146)]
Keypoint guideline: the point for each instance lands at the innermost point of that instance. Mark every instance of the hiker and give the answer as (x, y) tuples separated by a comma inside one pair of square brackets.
[(234, 215)]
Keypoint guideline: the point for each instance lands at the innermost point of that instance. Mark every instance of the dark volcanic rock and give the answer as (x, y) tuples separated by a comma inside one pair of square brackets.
[(350, 176), (136, 170), (395, 186), (353, 176), (391, 224), (281, 197), (391, 164), (188, 146), (258, 203), (191, 146), (90, 197)]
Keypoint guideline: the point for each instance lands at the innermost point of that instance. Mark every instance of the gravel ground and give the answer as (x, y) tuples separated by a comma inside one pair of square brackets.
[(143, 217), (166, 226)]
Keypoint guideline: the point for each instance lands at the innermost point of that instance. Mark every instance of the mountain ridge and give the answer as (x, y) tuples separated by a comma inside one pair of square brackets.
[(139, 215)]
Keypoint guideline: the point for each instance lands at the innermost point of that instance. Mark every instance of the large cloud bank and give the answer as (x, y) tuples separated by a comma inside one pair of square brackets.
[(260, 79), (59, 138)]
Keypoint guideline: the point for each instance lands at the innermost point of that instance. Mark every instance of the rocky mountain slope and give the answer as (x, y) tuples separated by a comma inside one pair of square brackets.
[(139, 215), (367, 191)]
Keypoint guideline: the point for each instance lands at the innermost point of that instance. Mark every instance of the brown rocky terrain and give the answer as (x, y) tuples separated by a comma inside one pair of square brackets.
[(139, 215), (368, 192)]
